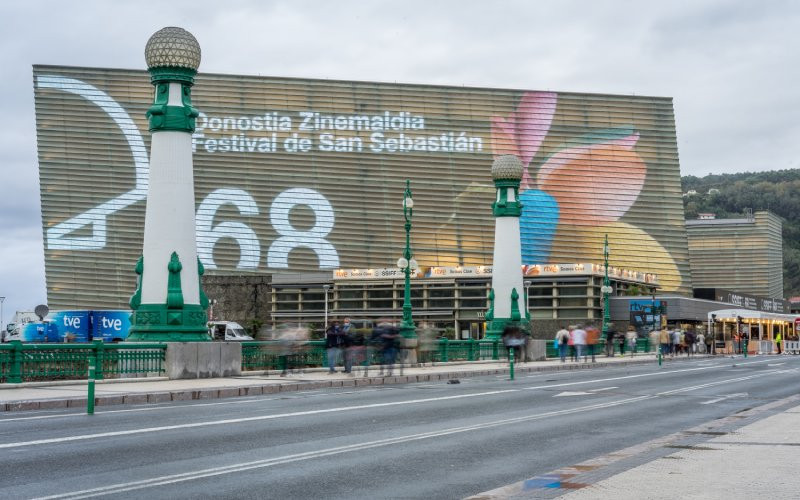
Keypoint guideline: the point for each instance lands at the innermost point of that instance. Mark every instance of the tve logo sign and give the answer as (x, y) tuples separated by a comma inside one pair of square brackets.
[(111, 323), (72, 321)]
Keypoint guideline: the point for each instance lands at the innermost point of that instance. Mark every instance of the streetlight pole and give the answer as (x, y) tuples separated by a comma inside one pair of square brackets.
[(2, 324), (606, 290), (325, 288), (406, 263)]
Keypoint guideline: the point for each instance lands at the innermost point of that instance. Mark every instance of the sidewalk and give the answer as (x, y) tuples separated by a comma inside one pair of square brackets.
[(68, 394), (751, 454)]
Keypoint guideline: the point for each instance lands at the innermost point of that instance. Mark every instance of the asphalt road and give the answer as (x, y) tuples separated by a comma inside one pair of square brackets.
[(425, 440)]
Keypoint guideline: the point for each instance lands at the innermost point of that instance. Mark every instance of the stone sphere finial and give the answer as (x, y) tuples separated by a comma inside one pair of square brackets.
[(172, 47), (507, 167)]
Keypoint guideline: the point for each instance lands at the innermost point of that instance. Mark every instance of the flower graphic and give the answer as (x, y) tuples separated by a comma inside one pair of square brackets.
[(580, 191)]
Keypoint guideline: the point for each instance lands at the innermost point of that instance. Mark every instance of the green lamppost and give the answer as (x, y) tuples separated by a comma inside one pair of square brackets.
[(406, 263), (606, 290)]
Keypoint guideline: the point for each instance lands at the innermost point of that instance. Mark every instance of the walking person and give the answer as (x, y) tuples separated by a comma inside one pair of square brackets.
[(579, 340), (689, 340), (562, 339), (333, 343), (778, 339), (701, 343), (571, 343), (676, 342), (610, 335), (621, 340), (347, 344), (664, 341), (391, 337), (631, 337), (592, 337)]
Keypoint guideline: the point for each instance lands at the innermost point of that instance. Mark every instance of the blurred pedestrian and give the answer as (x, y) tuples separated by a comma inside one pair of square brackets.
[(333, 343), (664, 341), (347, 344), (391, 337), (610, 335), (701, 343), (778, 340), (689, 339), (676, 342), (562, 338), (592, 337), (621, 340), (630, 337), (579, 339), (571, 342)]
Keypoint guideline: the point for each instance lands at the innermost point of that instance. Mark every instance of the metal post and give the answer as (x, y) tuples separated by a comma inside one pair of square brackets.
[(15, 375), (407, 263), (325, 288), (660, 345), (2, 324), (606, 289), (90, 396), (98, 347), (511, 361)]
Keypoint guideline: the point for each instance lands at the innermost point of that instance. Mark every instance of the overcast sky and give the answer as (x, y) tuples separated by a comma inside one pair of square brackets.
[(731, 67)]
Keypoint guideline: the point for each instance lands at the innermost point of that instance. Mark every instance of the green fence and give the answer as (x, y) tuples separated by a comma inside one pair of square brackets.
[(30, 362), (274, 355)]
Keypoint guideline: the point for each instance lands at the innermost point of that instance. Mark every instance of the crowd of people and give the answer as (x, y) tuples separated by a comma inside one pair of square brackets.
[(582, 341), (349, 346)]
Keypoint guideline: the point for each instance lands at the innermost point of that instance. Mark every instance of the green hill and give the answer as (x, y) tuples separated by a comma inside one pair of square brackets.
[(777, 191)]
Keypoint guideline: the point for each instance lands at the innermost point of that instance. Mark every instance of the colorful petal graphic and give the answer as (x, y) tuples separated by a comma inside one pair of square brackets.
[(594, 184), (580, 191), (522, 133)]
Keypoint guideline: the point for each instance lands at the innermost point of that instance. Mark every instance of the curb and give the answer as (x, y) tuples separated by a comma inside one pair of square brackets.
[(257, 390)]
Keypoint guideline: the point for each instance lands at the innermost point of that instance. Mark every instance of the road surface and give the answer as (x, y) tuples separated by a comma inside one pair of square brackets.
[(423, 440)]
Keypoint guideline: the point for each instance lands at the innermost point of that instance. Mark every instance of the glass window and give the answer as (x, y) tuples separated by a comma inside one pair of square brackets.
[(541, 303), (572, 290), (571, 302), (572, 313), (539, 292), (350, 293)]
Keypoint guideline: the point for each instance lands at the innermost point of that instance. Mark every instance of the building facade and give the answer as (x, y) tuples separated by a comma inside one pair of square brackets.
[(745, 254), (450, 301), (303, 176)]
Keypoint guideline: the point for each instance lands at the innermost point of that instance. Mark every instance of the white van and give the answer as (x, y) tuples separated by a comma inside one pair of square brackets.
[(227, 331)]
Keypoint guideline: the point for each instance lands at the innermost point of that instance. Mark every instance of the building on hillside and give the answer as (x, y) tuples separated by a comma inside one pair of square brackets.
[(744, 255)]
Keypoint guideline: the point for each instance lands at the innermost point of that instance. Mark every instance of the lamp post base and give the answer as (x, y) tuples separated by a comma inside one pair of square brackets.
[(158, 323)]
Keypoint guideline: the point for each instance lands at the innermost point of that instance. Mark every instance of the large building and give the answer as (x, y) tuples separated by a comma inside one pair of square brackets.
[(299, 175), (744, 254)]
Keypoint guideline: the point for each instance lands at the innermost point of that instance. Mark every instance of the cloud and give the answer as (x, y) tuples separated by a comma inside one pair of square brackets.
[(730, 66)]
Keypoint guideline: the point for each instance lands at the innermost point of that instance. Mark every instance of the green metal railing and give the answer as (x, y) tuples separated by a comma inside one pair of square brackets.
[(30, 362), (274, 355)]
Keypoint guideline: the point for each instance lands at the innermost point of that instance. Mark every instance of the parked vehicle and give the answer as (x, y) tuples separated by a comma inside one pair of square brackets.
[(227, 331), (72, 326)]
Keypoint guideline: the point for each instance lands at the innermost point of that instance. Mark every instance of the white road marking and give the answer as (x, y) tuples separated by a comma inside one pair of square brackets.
[(257, 464), (572, 393), (723, 398), (625, 377), (604, 389), (129, 410), (720, 382), (82, 437), (776, 364)]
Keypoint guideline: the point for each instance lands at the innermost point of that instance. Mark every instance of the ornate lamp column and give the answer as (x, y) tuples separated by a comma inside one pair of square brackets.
[(506, 298), (169, 303), (606, 290), (407, 264)]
